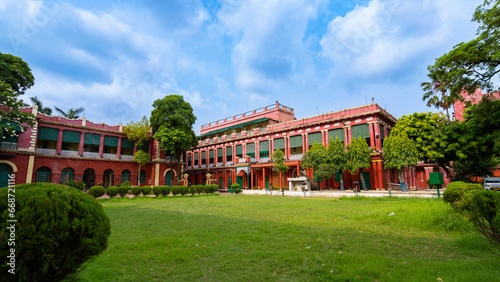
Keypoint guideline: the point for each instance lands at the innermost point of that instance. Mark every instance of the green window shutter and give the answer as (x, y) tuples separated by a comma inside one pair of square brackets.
[(92, 139), (316, 136), (381, 131), (279, 143), (145, 146), (264, 146), (16, 127), (71, 136), (127, 143), (9, 139), (229, 151), (195, 157), (362, 130), (111, 141), (219, 153), (46, 133), (211, 153), (239, 149), (296, 141), (250, 148), (336, 133), (143, 177), (203, 155)]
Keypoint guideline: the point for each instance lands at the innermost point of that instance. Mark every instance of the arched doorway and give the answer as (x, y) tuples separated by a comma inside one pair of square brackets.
[(107, 179), (43, 174), (169, 177), (125, 175), (89, 178), (5, 171), (67, 174)]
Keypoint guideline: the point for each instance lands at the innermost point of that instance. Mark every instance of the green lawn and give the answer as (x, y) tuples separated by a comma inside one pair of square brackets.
[(255, 238)]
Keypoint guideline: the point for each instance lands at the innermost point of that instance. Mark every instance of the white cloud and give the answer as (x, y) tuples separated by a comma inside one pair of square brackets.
[(384, 35)]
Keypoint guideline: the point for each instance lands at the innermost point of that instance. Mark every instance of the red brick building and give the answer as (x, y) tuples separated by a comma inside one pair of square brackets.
[(57, 150)]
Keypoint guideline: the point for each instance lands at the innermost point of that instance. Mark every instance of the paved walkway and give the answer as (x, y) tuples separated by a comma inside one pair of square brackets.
[(350, 193)]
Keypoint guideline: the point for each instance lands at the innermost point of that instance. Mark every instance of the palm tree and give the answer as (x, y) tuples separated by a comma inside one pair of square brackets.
[(72, 113), (41, 109)]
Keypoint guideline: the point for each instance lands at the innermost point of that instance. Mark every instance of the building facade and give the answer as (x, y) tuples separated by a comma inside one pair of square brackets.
[(58, 150), (237, 149)]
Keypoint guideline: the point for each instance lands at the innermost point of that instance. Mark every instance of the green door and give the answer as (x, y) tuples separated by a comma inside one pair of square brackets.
[(220, 182), (239, 180), (366, 175), (229, 182), (168, 178), (267, 181), (4, 175)]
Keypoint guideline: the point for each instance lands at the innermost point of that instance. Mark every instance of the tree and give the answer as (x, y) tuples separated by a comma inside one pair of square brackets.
[(41, 108), (15, 79), (399, 152), (72, 113), (358, 157), (139, 132), (279, 158), (475, 64), (172, 121), (427, 132), (314, 159), (337, 158)]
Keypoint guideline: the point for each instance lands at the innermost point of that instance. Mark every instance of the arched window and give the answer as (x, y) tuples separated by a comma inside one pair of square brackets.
[(125, 175), (67, 174), (43, 174)]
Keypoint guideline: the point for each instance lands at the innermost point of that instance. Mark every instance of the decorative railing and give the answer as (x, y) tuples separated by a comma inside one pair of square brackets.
[(46, 151), (90, 155), (69, 153)]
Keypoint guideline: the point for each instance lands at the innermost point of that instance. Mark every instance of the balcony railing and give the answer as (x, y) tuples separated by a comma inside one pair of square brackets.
[(90, 155), (46, 151), (127, 157), (69, 153), (109, 156), (8, 145), (296, 157)]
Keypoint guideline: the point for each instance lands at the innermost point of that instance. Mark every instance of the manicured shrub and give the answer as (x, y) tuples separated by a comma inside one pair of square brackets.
[(157, 190), (78, 185), (137, 190), (206, 188), (97, 191), (146, 190), (237, 190), (184, 190), (126, 183), (485, 213), (58, 229), (124, 190), (166, 190), (176, 190), (112, 191), (459, 194), (193, 189), (199, 189), (235, 185)]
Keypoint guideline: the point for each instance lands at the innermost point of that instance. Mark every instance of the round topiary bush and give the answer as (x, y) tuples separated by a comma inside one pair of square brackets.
[(136, 190), (192, 189), (146, 190), (112, 191), (165, 191), (199, 188), (58, 228), (184, 190), (157, 190), (124, 190), (126, 183), (97, 191), (459, 194), (176, 190), (237, 190)]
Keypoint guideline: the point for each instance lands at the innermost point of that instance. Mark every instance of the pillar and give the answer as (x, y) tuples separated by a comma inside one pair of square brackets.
[(324, 139), (378, 140), (263, 181), (251, 178), (372, 136), (224, 155), (82, 142), (271, 147), (287, 147), (257, 151), (119, 149), (304, 143), (59, 142)]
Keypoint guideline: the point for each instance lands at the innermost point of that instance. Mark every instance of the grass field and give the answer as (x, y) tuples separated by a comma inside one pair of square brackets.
[(255, 238)]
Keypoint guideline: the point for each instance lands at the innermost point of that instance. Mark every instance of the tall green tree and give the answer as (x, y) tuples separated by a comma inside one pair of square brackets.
[(279, 158), (470, 65), (172, 121), (15, 79), (358, 157), (72, 112), (337, 157), (316, 159), (399, 152), (45, 110), (140, 133)]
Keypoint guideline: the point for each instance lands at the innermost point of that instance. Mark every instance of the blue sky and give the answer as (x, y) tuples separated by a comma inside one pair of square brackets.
[(227, 57)]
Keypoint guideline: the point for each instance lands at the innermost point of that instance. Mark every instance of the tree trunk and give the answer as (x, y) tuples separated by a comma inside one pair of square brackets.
[(402, 180), (341, 174), (139, 176), (280, 181), (362, 178)]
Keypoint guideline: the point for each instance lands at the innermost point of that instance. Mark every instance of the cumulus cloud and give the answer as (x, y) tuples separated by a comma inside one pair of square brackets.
[(385, 35)]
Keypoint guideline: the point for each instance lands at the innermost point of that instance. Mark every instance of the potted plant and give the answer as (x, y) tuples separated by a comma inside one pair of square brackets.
[(234, 186)]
